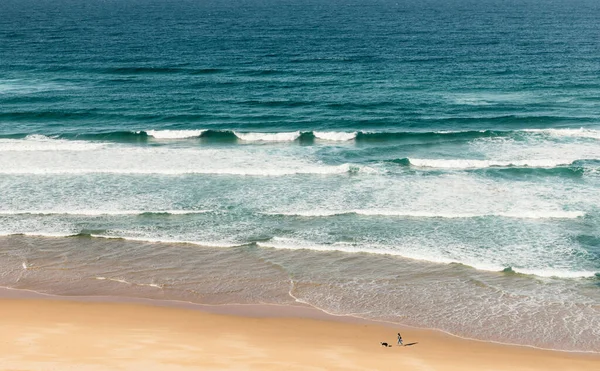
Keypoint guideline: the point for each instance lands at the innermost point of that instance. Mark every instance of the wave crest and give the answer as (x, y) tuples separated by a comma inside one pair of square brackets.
[(335, 136), (268, 137), (309, 135), (174, 134)]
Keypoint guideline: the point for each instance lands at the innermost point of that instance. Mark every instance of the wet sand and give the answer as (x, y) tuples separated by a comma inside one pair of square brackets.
[(90, 334)]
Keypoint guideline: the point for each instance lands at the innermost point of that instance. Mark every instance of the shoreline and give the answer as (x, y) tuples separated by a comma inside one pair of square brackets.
[(40, 333), (293, 280), (300, 311)]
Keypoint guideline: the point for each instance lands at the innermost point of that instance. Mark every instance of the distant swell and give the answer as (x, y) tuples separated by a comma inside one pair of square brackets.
[(140, 70)]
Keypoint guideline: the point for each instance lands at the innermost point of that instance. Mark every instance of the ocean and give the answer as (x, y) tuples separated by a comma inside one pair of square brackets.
[(431, 163)]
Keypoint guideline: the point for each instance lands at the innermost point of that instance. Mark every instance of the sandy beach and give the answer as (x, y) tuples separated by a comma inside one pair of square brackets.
[(43, 334)]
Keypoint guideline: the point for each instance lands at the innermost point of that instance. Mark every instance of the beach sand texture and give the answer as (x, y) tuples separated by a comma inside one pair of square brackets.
[(64, 335)]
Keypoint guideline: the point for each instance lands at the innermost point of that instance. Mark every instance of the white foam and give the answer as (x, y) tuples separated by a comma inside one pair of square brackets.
[(312, 213), (576, 133), (318, 170), (550, 272), (166, 160), (549, 214), (100, 212), (36, 234), (554, 214), (477, 164), (178, 212), (175, 134), (293, 244), (413, 253), (36, 142), (120, 280), (169, 240), (334, 135), (268, 137)]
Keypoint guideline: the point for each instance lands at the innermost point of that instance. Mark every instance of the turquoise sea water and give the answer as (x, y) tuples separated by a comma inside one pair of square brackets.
[(434, 163)]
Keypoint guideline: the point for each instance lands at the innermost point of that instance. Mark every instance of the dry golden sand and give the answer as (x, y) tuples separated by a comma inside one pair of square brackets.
[(63, 335)]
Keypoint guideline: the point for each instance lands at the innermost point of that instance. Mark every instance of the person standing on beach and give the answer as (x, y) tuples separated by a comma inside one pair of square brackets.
[(399, 339)]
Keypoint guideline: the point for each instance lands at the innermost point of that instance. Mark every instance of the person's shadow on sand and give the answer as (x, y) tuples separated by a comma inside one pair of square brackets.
[(409, 344)]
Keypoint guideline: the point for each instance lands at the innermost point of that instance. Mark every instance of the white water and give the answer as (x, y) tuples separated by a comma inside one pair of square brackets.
[(174, 134), (42, 143), (475, 164), (53, 186), (572, 133), (334, 136), (268, 137), (519, 214), (99, 212), (121, 159), (423, 251)]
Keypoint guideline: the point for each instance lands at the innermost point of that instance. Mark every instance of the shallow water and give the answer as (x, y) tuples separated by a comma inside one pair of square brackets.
[(504, 307)]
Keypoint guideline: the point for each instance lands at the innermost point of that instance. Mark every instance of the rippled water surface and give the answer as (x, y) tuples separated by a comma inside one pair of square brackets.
[(434, 163)]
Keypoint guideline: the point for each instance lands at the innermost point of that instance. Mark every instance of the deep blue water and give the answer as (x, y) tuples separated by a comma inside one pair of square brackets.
[(81, 66), (440, 132)]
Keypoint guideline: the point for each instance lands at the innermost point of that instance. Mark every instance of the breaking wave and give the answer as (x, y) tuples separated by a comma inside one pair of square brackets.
[(308, 135), (431, 257), (334, 135), (268, 137), (174, 134)]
